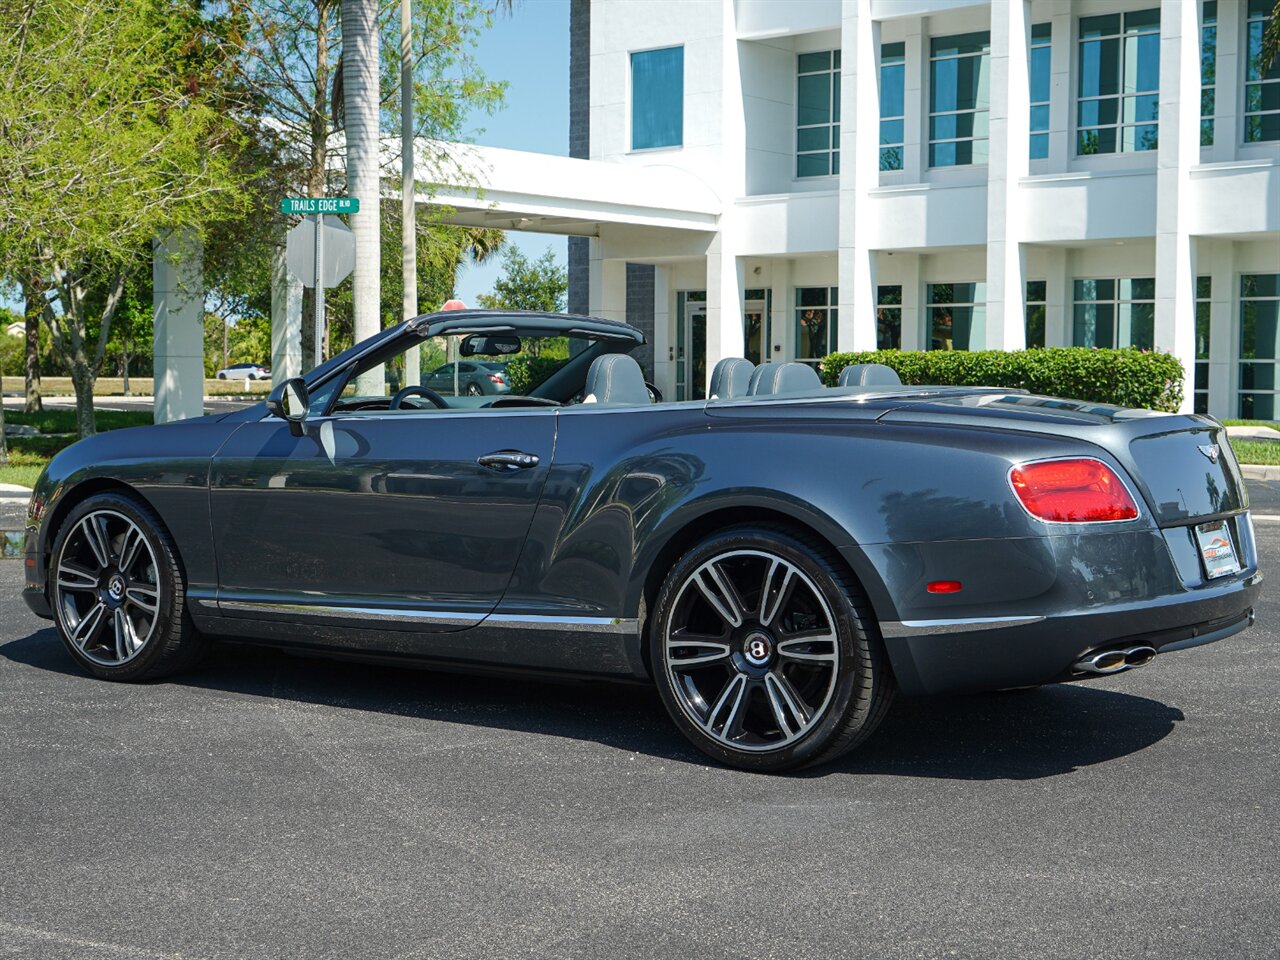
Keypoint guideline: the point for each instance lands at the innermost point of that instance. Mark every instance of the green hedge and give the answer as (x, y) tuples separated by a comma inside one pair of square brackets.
[(1128, 378), (526, 373)]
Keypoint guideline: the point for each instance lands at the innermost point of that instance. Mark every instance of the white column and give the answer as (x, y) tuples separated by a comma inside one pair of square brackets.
[(608, 286), (1227, 130), (725, 285), (286, 320), (177, 276), (915, 103), (1179, 150), (859, 174), (1061, 95), (1008, 164), (912, 324), (780, 314), (1058, 297), (1222, 346)]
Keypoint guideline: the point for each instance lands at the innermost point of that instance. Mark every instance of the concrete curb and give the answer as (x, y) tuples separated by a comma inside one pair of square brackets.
[(14, 489), (1257, 471)]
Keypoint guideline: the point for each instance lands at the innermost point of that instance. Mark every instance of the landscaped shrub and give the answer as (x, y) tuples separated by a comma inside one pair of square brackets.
[(526, 373), (1128, 378)]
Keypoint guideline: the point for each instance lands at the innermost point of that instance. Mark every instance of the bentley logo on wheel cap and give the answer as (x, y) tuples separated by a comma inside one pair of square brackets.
[(757, 649), (115, 587)]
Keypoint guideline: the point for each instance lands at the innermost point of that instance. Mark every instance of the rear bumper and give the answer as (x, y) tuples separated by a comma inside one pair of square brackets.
[(956, 656)]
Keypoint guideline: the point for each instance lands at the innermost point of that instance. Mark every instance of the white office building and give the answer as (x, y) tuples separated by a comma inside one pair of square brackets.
[(777, 179)]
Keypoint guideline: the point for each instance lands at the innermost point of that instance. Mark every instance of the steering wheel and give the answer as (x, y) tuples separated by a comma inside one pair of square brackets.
[(416, 391)]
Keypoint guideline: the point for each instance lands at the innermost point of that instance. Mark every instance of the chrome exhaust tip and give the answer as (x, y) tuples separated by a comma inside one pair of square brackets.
[(1139, 656), (1102, 662)]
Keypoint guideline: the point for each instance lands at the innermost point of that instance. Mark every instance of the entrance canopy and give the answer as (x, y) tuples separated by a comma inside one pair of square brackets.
[(542, 193)]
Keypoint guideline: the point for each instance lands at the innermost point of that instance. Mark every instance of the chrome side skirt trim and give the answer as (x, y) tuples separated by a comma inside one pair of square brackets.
[(924, 628), (567, 624)]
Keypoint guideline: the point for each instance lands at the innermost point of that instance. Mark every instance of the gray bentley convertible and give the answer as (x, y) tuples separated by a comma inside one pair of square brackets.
[(779, 559)]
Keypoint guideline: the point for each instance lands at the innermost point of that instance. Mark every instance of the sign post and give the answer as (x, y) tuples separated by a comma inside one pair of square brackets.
[(316, 208)]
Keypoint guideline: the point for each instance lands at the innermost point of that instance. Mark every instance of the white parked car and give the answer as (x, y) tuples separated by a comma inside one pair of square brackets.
[(244, 371)]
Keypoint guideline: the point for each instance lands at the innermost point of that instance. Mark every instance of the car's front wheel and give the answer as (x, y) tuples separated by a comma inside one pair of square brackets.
[(765, 651), (118, 592)]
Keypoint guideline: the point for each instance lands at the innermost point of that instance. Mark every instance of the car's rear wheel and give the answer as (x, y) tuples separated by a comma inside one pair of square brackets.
[(473, 390), (222, 376), (765, 651), (118, 592)]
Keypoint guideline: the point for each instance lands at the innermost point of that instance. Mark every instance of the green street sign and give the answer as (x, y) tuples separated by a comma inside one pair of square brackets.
[(311, 206)]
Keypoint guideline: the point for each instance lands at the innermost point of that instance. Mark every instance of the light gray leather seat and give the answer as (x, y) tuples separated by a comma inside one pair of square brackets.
[(774, 378), (869, 375), (615, 379), (731, 378)]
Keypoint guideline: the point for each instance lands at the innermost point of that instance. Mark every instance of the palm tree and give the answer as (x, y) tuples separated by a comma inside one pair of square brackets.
[(1270, 41), (361, 99)]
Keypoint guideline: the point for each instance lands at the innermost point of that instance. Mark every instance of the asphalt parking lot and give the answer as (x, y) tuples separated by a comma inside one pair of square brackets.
[(276, 807)]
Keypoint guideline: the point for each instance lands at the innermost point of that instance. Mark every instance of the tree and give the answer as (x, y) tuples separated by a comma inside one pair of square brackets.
[(1270, 42), (117, 122), (541, 284)]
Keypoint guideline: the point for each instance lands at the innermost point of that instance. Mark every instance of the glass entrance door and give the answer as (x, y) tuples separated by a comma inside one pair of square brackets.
[(691, 345), (755, 326)]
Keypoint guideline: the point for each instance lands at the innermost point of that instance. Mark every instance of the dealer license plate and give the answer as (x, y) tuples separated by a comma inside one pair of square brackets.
[(1216, 549)]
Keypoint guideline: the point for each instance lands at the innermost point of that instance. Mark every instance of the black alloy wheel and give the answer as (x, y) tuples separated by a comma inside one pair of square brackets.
[(766, 653), (118, 592)]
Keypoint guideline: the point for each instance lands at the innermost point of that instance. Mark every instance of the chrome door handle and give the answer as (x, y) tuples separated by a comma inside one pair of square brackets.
[(509, 459)]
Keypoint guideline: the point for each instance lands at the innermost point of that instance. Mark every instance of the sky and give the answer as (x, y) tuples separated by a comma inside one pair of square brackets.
[(530, 50)]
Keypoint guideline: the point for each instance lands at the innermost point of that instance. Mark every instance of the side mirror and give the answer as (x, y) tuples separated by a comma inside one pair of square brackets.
[(289, 402)]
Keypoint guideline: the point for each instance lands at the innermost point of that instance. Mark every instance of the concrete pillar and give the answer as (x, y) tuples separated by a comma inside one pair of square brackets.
[(1008, 165), (915, 116), (725, 285), (286, 320), (1061, 95), (1227, 130), (859, 174), (780, 312), (177, 276), (1222, 345), (1179, 150), (1058, 297), (608, 285), (664, 369), (913, 337)]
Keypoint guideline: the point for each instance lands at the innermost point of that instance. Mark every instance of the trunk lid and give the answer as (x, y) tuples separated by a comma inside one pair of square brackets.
[(1182, 463)]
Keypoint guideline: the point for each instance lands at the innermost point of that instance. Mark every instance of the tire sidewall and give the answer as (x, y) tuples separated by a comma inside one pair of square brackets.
[(851, 632), (168, 578)]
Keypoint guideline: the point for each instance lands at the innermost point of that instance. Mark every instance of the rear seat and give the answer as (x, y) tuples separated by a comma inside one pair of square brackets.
[(772, 379)]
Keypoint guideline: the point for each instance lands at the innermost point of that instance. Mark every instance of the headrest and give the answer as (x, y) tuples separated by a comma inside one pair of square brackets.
[(615, 378), (869, 375), (731, 378), (774, 378)]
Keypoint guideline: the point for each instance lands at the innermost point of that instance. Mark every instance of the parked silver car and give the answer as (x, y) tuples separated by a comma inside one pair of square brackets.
[(474, 378), (244, 371)]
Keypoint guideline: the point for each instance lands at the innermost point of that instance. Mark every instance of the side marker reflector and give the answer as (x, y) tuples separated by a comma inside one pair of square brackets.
[(944, 586)]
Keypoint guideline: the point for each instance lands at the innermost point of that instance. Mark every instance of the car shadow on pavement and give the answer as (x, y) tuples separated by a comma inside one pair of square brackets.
[(1018, 735)]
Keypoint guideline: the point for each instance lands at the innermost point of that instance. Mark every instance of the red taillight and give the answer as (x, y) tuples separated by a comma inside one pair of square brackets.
[(1072, 491), (496, 378)]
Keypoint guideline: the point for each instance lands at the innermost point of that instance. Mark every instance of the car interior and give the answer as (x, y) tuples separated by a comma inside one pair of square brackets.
[(585, 371)]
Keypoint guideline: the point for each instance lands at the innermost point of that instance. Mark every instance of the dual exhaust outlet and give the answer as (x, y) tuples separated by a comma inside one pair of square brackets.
[(1113, 661)]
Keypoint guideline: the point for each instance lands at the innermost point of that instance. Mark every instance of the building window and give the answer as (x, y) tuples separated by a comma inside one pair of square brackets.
[(1115, 313), (756, 333), (1208, 69), (1259, 344), (657, 98), (815, 322), (1041, 36), (1261, 89), (893, 76), (959, 99), (889, 318), (818, 114), (956, 311), (1036, 299), (1204, 292), (1118, 102)]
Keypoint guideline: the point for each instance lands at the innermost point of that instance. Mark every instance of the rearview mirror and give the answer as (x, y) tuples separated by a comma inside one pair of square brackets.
[(289, 402), (484, 345)]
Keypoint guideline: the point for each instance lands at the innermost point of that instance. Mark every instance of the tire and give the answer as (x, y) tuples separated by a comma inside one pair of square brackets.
[(473, 390), (142, 581), (222, 376), (801, 678)]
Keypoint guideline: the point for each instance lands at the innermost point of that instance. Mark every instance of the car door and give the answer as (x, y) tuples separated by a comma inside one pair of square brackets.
[(411, 520)]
